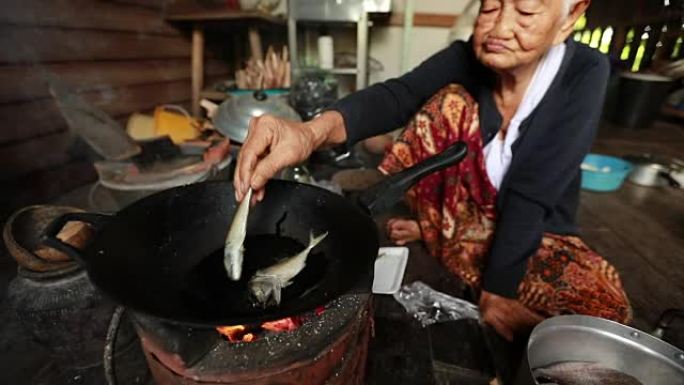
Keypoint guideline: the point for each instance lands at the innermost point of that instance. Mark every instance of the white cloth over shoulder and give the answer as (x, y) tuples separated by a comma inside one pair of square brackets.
[(497, 152)]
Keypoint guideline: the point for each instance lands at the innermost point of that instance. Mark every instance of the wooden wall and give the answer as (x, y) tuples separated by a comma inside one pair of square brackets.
[(626, 13), (118, 54)]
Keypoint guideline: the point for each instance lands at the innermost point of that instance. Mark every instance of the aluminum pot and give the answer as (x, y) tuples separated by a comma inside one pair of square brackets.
[(581, 338), (640, 97), (653, 174)]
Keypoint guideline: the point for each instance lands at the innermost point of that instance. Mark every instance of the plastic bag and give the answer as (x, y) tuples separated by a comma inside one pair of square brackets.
[(430, 306)]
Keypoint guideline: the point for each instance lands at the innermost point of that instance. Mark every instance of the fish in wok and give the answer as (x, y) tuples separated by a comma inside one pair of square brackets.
[(266, 284)]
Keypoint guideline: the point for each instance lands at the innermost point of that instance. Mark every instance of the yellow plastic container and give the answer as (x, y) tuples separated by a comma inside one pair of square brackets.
[(140, 126), (178, 126)]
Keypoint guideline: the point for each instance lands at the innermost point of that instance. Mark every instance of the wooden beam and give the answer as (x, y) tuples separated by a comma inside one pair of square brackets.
[(435, 20), (197, 68), (86, 14), (24, 83), (193, 13), (45, 185), (22, 121), (152, 4), (36, 45), (41, 153)]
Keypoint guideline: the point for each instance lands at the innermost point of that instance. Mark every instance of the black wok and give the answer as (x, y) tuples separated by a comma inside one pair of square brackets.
[(162, 255)]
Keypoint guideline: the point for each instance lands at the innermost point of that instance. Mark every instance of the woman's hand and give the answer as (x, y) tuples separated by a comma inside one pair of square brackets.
[(273, 144), (403, 231), (507, 316)]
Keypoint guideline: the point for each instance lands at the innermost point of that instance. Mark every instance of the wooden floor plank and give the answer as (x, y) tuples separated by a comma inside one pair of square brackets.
[(655, 243), (588, 220), (640, 230), (650, 292)]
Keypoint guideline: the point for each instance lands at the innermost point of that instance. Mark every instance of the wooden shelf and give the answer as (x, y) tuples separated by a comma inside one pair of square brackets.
[(435, 20), (214, 95), (343, 71), (195, 14)]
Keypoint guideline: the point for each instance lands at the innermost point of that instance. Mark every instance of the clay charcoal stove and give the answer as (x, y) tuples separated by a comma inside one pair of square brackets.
[(325, 346)]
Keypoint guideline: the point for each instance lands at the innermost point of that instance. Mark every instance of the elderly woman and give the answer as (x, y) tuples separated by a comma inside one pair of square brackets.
[(527, 101)]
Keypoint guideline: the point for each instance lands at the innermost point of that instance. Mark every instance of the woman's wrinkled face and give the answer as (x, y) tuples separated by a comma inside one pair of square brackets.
[(510, 34)]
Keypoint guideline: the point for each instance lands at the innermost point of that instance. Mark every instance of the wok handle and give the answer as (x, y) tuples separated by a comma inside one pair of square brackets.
[(97, 221), (670, 179), (665, 321), (387, 193)]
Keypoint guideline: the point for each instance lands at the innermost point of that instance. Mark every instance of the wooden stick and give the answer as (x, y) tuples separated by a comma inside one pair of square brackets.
[(255, 43), (197, 68)]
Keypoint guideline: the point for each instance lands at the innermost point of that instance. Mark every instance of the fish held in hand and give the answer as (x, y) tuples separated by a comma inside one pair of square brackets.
[(266, 284), (233, 251)]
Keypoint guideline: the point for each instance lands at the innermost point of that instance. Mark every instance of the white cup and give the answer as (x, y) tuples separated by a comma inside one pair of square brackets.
[(326, 52)]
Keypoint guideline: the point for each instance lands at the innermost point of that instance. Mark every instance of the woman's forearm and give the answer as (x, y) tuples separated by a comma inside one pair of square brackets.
[(389, 105), (328, 129)]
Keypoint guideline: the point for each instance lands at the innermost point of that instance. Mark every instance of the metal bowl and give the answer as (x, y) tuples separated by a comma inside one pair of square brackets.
[(610, 344)]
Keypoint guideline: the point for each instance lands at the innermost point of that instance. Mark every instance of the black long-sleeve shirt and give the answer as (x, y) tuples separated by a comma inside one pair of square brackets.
[(540, 192)]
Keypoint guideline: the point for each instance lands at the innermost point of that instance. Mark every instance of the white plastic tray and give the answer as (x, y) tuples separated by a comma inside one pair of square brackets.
[(389, 269)]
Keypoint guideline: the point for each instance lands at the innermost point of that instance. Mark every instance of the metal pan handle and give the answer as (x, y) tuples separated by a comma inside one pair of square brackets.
[(666, 320), (670, 179), (97, 221), (387, 193)]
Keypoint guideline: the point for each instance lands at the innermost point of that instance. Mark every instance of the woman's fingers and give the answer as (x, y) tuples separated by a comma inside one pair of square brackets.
[(269, 166), (523, 319), (259, 140), (398, 234), (505, 330), (273, 144), (258, 196), (498, 321), (507, 316), (398, 224), (403, 231), (390, 224)]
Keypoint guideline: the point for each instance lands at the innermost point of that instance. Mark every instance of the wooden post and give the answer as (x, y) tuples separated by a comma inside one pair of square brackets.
[(362, 51), (197, 68)]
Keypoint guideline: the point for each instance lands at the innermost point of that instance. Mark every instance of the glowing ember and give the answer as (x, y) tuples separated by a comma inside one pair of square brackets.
[(282, 325), (235, 333), (242, 333)]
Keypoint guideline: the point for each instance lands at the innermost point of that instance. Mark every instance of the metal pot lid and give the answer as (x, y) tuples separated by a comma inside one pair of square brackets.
[(233, 115), (581, 338), (656, 167)]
